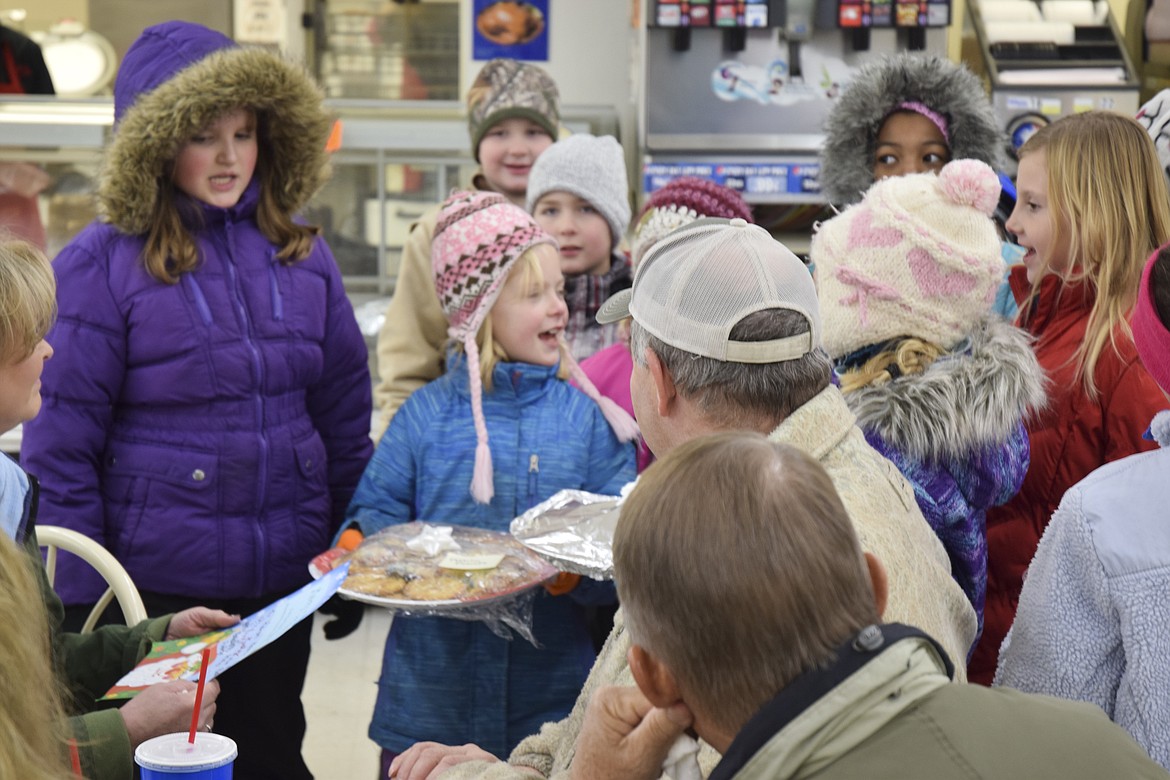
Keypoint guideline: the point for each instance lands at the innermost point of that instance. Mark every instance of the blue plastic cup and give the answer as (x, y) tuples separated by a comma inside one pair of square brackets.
[(211, 757)]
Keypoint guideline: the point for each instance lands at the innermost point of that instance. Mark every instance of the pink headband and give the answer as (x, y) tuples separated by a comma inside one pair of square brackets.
[(1149, 333), (919, 108)]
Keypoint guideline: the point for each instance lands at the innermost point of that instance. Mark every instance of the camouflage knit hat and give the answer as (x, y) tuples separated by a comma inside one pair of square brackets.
[(505, 89)]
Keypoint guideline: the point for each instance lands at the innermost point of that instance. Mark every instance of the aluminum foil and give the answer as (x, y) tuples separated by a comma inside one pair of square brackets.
[(573, 530)]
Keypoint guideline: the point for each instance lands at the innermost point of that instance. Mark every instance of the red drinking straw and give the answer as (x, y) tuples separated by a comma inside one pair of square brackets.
[(75, 758), (203, 664)]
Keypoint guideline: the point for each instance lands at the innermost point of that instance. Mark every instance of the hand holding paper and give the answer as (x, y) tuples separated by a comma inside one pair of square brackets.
[(179, 659), (198, 620)]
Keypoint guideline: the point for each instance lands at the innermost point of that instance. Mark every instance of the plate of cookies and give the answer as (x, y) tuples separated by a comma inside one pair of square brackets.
[(424, 567)]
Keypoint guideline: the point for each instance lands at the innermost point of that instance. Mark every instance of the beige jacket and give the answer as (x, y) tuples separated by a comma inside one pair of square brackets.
[(887, 519), (412, 339)]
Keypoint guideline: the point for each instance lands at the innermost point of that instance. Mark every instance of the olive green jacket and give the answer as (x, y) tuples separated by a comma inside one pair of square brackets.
[(89, 664)]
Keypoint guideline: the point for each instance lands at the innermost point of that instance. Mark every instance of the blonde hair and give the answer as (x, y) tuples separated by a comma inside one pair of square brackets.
[(28, 299), (33, 738), (737, 566), (170, 250), (908, 356), (490, 351), (1107, 191)]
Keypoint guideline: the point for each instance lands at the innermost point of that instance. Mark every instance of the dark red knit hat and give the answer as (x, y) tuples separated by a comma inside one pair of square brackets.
[(703, 196)]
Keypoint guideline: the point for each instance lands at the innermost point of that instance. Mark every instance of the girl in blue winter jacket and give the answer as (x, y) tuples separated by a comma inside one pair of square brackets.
[(498, 433), (939, 385), (206, 417)]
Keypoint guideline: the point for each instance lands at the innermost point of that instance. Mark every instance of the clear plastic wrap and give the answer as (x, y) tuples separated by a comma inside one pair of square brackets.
[(423, 569), (573, 530)]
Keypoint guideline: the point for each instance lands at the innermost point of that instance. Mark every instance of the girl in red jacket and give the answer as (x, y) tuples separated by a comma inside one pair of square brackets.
[(1092, 205)]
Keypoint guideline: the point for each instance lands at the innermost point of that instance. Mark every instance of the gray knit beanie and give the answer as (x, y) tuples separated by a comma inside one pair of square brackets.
[(592, 168), (508, 88)]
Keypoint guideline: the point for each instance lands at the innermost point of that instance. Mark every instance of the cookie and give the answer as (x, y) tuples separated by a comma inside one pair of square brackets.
[(435, 589)]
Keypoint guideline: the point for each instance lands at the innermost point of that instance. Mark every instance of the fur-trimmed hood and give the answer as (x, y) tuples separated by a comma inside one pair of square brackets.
[(876, 89), (176, 79), (963, 402)]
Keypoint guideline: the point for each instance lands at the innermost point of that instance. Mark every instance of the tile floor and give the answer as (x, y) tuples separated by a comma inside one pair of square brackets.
[(339, 698)]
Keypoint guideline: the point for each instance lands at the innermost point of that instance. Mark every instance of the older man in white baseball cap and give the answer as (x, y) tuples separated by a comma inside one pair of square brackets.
[(725, 335)]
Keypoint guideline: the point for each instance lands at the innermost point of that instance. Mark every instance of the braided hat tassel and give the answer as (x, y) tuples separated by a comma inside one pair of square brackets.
[(623, 425), (482, 478)]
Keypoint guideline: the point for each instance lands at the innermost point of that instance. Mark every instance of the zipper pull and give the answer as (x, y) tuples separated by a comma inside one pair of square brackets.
[(533, 463)]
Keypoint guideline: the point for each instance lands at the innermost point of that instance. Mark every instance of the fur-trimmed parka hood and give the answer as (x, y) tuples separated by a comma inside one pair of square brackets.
[(963, 402), (946, 88), (176, 79)]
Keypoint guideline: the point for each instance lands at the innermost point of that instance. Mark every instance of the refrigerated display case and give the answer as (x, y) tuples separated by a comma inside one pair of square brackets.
[(396, 159), (388, 51)]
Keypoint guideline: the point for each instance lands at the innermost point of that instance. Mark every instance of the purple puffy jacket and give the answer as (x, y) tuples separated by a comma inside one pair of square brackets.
[(209, 433)]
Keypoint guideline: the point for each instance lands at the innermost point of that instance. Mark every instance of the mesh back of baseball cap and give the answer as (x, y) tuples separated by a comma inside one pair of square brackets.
[(700, 281)]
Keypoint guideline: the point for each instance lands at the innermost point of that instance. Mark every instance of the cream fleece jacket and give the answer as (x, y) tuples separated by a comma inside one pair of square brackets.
[(888, 522)]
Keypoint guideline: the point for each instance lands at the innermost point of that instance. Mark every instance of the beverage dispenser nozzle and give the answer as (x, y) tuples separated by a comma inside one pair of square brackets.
[(798, 19), (735, 39), (798, 27)]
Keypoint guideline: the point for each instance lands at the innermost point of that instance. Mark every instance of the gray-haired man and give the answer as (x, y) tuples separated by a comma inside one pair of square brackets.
[(726, 336)]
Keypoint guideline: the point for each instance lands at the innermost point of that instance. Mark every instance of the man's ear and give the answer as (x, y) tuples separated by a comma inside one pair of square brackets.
[(654, 680), (880, 582), (663, 383)]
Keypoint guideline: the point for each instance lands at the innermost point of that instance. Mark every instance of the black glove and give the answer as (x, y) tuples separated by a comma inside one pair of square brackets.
[(347, 616)]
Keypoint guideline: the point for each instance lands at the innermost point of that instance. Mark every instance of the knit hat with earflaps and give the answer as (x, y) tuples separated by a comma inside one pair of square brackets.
[(508, 88), (591, 167), (918, 257), (479, 236), (909, 82)]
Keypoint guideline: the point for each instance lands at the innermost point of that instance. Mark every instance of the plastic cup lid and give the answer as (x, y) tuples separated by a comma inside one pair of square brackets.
[(173, 753)]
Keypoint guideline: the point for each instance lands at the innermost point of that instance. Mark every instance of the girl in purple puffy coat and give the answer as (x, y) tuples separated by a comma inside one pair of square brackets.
[(206, 417), (939, 385)]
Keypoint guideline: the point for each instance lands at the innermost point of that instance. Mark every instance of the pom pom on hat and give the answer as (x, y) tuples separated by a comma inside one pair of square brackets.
[(970, 183), (919, 256)]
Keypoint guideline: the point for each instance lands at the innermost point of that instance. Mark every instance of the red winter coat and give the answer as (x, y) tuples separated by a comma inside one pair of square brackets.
[(1070, 438)]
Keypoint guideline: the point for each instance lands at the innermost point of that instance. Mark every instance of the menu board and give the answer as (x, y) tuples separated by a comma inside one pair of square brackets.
[(860, 14), (760, 182), (711, 13)]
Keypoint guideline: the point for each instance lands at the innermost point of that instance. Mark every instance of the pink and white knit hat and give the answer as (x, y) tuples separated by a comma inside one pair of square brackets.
[(919, 256), (479, 236)]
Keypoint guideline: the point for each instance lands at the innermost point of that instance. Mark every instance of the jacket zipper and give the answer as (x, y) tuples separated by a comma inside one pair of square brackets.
[(533, 474), (258, 368)]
